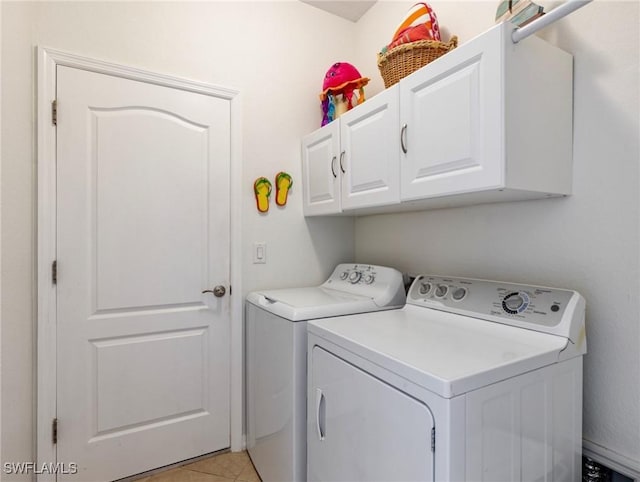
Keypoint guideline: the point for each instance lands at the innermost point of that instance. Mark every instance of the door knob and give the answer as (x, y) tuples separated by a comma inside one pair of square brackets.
[(219, 291)]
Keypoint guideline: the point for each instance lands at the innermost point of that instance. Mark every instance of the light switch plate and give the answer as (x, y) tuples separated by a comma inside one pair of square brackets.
[(259, 253)]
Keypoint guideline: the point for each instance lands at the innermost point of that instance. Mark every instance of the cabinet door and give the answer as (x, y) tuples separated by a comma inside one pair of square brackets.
[(320, 171), (370, 142), (361, 429), (452, 122)]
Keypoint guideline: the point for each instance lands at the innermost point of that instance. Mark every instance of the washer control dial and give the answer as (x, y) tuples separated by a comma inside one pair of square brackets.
[(369, 279), (344, 275), (441, 291), (459, 294), (424, 288), (515, 302), (355, 276)]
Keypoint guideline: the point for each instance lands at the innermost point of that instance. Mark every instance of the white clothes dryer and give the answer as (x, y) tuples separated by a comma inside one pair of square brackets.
[(472, 380), (276, 358)]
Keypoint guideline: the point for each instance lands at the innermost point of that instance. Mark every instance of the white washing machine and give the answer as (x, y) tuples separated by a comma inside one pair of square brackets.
[(276, 358), (472, 380)]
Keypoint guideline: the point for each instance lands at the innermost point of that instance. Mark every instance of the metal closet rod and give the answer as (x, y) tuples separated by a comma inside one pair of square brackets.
[(548, 18)]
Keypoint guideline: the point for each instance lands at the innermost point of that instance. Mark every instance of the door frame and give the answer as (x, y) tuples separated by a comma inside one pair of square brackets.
[(47, 61)]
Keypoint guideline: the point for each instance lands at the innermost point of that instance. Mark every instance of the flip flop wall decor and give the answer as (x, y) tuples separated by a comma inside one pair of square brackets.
[(262, 190), (283, 184)]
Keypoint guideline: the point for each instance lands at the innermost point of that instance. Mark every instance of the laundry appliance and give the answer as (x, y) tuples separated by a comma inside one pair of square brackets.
[(276, 360), (472, 380)]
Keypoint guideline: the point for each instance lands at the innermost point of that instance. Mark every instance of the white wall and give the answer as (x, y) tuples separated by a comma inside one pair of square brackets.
[(0, 233), (275, 53), (18, 201), (588, 242)]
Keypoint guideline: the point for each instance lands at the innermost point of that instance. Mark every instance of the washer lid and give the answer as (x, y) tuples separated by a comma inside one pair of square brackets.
[(297, 304), (446, 353), (351, 288)]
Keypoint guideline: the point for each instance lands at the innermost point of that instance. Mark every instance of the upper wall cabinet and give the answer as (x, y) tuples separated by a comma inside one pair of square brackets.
[(353, 161), (452, 123), (489, 121), (321, 172), (371, 152)]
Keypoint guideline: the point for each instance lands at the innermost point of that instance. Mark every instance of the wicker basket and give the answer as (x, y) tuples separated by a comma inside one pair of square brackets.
[(405, 59)]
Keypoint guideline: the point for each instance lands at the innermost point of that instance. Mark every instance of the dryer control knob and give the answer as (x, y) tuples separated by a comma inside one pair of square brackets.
[(344, 275), (441, 291), (514, 303), (459, 294), (424, 288), (369, 279), (355, 277)]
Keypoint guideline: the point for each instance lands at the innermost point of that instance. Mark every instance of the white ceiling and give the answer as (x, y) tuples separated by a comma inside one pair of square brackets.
[(351, 10)]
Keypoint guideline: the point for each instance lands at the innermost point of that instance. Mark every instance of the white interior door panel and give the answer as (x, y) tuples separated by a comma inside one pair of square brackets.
[(143, 229)]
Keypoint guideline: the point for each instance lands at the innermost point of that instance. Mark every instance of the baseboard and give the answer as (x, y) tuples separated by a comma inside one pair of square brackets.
[(618, 462)]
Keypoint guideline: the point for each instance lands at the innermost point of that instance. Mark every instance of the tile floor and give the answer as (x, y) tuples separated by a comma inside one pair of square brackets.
[(235, 466)]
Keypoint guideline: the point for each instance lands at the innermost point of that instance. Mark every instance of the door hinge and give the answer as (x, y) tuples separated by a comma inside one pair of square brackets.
[(54, 431), (54, 272), (433, 439), (54, 112)]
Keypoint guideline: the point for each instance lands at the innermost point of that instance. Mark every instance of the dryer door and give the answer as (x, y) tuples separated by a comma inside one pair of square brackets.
[(362, 429)]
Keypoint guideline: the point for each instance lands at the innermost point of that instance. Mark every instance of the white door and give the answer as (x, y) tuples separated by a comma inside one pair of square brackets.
[(142, 230), (359, 429), (370, 138), (453, 113), (321, 170)]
